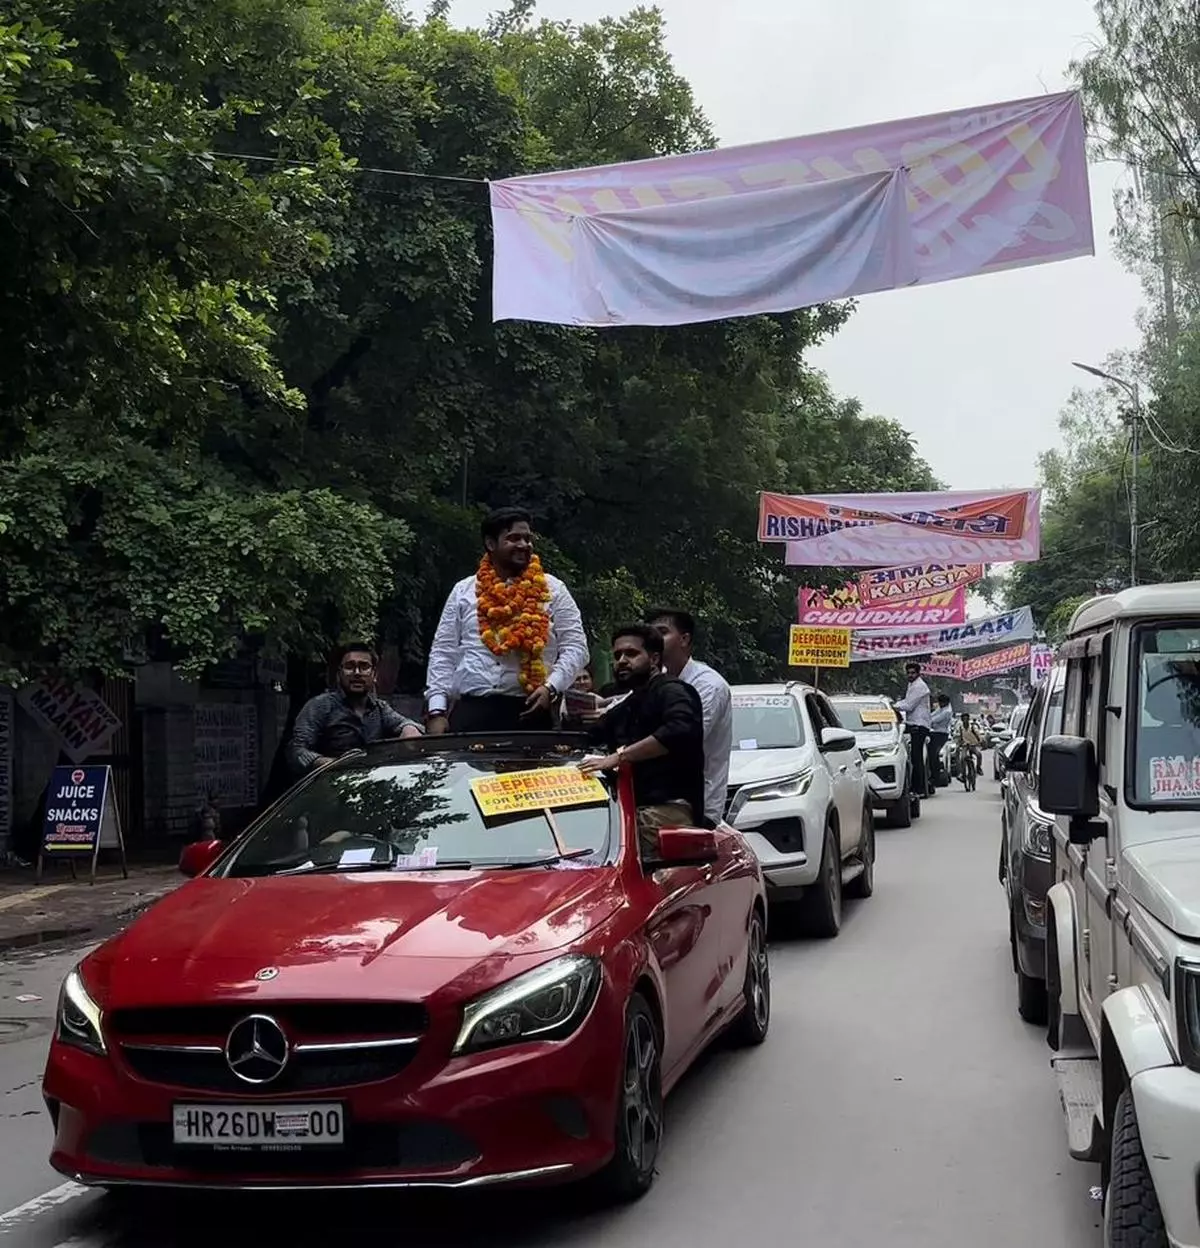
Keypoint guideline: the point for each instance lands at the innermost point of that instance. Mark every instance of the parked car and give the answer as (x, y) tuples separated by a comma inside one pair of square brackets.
[(435, 963), (1123, 916), (1004, 735), (798, 792), (884, 747), (1026, 837)]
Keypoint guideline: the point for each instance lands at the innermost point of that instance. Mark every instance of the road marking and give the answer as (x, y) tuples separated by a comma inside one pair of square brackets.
[(40, 1204), (31, 894)]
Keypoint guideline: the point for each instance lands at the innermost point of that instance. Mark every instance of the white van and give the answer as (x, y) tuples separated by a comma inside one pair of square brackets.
[(1123, 911)]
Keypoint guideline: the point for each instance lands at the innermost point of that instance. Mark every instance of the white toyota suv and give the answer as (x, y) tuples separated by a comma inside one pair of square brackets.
[(798, 793), (884, 746)]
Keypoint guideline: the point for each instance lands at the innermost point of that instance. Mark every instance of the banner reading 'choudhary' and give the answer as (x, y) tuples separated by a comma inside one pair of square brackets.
[(898, 643), (844, 608), (741, 230), (1006, 660), (890, 586), (883, 530)]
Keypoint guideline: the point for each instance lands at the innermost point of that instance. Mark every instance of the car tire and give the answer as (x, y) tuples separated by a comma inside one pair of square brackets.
[(1132, 1215), (821, 906), (1033, 1004), (862, 886), (754, 1021), (901, 814), (914, 806), (639, 1129)]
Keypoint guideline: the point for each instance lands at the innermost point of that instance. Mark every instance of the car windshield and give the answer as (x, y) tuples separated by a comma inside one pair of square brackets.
[(766, 721), (865, 715), (433, 810), (1167, 743)]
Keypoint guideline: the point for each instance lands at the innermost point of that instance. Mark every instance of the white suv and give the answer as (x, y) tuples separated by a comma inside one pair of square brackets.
[(798, 793), (884, 746), (1122, 779)]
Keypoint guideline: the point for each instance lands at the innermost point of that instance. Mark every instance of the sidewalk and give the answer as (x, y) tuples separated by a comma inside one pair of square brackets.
[(58, 907)]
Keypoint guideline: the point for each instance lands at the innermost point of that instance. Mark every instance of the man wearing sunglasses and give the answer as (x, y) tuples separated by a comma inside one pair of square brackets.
[(348, 717)]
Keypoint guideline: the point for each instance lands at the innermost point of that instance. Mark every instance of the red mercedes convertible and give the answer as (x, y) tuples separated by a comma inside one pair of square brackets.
[(442, 962)]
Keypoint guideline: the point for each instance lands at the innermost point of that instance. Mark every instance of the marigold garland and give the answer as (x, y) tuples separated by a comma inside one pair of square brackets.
[(513, 617)]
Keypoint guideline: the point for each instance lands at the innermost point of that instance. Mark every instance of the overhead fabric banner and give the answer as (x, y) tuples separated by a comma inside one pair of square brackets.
[(885, 587), (844, 608), (945, 665), (787, 224), (899, 643), (882, 530), (994, 664)]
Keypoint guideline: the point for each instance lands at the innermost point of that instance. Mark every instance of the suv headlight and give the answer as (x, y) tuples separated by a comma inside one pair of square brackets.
[(1039, 837), (79, 1017), (878, 751), (547, 1003), (770, 791)]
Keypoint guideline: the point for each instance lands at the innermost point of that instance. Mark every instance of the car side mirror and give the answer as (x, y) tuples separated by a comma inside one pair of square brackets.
[(1069, 779), (836, 740), (199, 856), (685, 847), (1016, 754)]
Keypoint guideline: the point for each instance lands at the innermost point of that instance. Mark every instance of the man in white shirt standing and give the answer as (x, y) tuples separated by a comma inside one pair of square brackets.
[(678, 629), (915, 705), (510, 640)]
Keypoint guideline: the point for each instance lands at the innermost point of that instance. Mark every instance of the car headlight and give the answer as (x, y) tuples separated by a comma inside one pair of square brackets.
[(771, 791), (543, 1004), (878, 751), (1039, 837), (79, 1017)]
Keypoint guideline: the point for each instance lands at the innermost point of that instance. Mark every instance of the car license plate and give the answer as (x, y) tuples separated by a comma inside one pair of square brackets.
[(271, 1127)]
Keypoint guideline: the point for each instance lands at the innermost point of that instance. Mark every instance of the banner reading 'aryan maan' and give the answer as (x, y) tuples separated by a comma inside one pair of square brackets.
[(898, 643), (788, 224), (882, 530), (885, 587), (844, 608)]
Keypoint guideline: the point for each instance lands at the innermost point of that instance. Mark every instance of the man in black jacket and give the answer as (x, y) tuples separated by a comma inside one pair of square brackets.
[(658, 730)]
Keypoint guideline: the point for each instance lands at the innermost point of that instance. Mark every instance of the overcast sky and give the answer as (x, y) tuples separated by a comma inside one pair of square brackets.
[(976, 369)]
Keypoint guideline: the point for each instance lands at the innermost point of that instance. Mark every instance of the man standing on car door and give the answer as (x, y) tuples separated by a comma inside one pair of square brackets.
[(915, 705)]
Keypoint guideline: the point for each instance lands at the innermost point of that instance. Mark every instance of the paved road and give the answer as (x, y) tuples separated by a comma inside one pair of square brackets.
[(899, 1100)]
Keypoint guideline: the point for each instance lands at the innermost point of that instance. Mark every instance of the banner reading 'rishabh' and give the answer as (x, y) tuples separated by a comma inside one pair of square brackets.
[(880, 530)]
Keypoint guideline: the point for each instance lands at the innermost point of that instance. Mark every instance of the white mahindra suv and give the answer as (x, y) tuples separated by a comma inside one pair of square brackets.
[(1122, 780), (884, 746), (798, 793)]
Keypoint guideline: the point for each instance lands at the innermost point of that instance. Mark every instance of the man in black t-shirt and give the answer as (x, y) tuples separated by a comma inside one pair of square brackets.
[(658, 730)]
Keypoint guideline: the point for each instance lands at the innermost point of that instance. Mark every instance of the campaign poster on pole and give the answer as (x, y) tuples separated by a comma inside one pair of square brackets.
[(818, 647), (81, 818)]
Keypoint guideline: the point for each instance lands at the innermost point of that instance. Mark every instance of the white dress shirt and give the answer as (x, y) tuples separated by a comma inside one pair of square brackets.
[(915, 704), (461, 665), (718, 732)]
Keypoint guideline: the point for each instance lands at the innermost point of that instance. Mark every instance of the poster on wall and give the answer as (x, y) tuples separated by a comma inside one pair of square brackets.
[(6, 766), (226, 753), (844, 608), (886, 530), (79, 717)]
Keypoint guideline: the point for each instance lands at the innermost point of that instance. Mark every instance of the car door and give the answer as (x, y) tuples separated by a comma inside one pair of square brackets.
[(846, 772), (1017, 790)]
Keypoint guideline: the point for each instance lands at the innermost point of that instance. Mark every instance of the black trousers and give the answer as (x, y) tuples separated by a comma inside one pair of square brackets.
[(936, 741), (497, 713), (919, 738)]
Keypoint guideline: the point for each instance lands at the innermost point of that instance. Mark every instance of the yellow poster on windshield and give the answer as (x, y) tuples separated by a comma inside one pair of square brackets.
[(547, 788), (818, 647)]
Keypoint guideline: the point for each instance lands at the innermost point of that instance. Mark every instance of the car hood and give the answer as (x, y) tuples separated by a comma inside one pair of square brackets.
[(349, 936), (1164, 877), (756, 766)]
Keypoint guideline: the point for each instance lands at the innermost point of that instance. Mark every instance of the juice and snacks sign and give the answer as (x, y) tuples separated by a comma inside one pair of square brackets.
[(892, 530), (818, 647), (845, 608), (915, 582)]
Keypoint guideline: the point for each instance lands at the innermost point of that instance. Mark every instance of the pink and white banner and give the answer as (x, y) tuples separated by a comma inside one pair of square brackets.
[(1006, 660), (844, 608), (900, 643), (1041, 660), (787, 224), (886, 587), (947, 666), (882, 530)]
